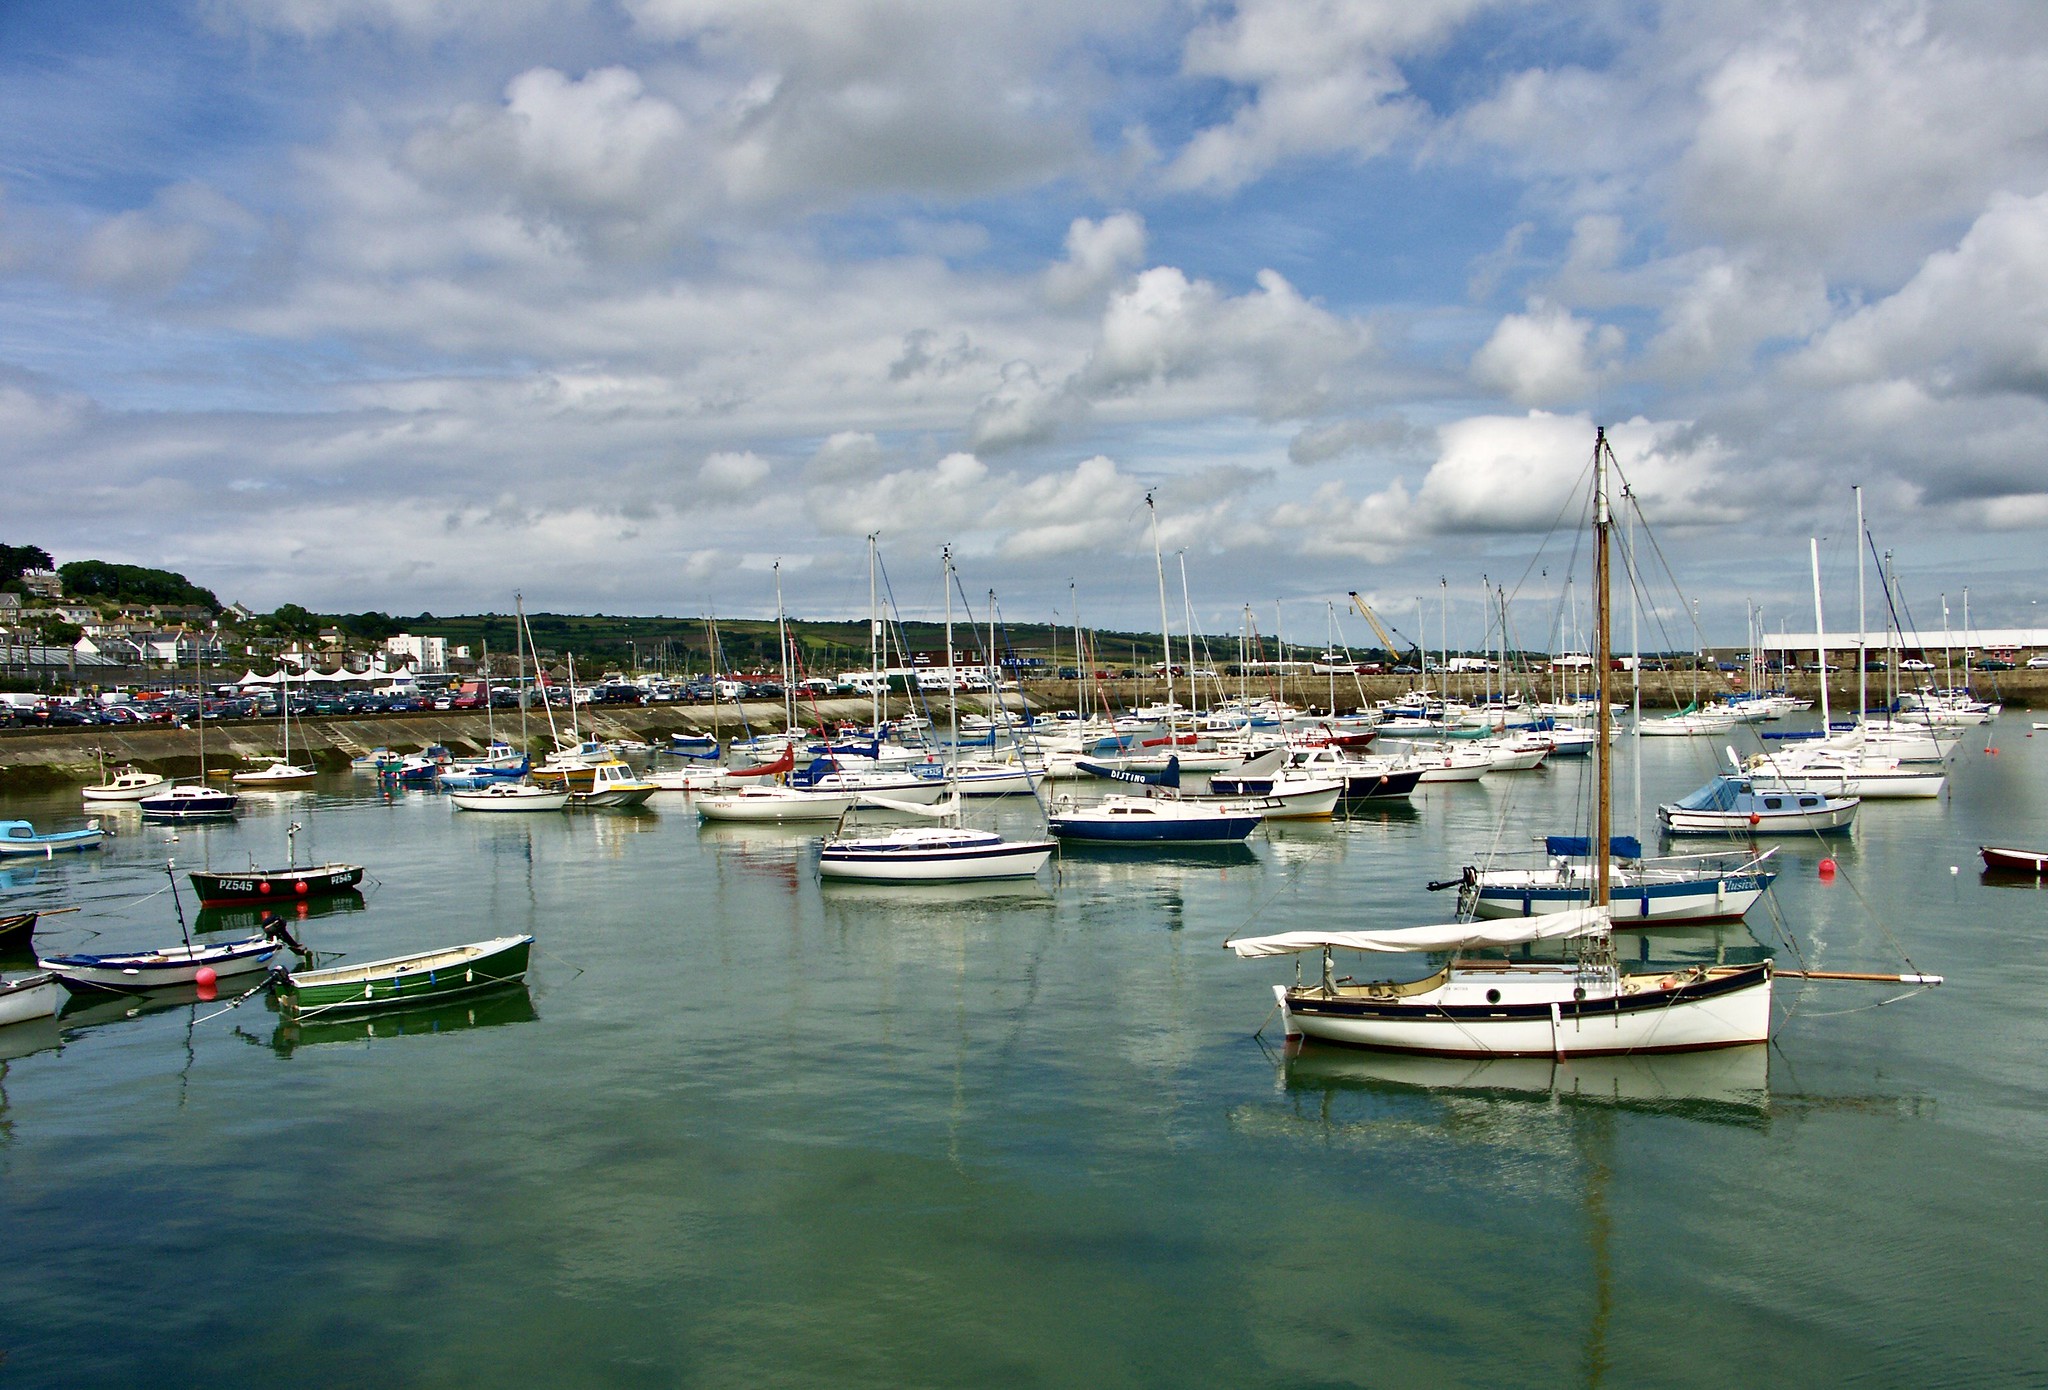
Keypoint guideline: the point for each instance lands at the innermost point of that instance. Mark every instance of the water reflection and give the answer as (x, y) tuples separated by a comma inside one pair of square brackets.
[(245, 919), (512, 1004), (1724, 1086)]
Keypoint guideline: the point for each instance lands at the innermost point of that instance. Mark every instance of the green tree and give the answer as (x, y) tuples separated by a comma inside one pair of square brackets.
[(103, 579), (14, 559)]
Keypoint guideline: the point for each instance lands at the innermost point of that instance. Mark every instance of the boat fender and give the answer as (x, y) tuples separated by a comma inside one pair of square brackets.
[(1668, 982)]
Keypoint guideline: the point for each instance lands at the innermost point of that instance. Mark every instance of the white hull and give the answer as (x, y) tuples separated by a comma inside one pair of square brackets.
[(29, 997), (1680, 822), (509, 796), (1537, 1015), (1685, 726), (774, 805), (1708, 900), (173, 965), (1873, 784), (127, 787), (925, 857)]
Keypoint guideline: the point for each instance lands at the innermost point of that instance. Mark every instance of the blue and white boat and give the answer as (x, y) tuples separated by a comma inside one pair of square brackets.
[(1689, 888), (189, 801), (1152, 820), (931, 854), (1732, 805), (19, 838)]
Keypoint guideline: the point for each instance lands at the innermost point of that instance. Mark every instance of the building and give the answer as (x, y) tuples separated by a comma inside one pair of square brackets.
[(42, 583), (427, 653)]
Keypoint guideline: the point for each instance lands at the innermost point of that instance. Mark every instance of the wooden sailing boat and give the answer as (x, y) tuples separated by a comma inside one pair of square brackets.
[(1503, 1007)]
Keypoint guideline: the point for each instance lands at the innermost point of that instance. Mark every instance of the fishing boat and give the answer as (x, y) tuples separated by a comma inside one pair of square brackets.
[(19, 838), (1733, 805), (268, 887), (26, 998), (424, 977), (17, 932), (132, 972), (129, 783), (2015, 861), (1493, 1006), (136, 972), (510, 796), (606, 782)]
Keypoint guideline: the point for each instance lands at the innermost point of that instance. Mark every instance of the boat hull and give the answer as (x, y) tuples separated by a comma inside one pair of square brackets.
[(127, 788), (275, 885), (503, 798), (1829, 820), (424, 977), (47, 846), (29, 997), (1218, 830), (1723, 898), (800, 807), (1686, 1012), (1003, 859), (140, 971), (2015, 861), (189, 803)]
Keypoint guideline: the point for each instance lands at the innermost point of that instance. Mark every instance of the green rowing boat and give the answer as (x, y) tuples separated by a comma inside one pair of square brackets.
[(425, 976)]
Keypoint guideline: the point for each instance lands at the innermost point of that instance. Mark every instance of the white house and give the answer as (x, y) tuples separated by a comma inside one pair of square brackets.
[(428, 653)]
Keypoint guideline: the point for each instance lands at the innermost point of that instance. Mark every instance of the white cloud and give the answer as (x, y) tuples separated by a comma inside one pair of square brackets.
[(732, 475), (1546, 356), (1973, 319), (1098, 254), (1323, 77), (316, 19)]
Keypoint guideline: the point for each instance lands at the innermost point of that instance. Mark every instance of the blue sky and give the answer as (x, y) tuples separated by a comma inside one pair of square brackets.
[(405, 304)]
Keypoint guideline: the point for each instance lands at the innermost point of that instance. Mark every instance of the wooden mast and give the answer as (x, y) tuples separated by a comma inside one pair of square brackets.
[(1603, 829)]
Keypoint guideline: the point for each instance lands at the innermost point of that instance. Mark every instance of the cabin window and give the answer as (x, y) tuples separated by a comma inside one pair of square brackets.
[(1772, 803), (1809, 801)]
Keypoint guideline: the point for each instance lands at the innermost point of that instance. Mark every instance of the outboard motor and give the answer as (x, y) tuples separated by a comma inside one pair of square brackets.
[(273, 926)]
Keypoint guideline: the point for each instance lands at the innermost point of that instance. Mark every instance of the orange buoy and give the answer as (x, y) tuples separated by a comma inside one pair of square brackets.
[(1827, 868)]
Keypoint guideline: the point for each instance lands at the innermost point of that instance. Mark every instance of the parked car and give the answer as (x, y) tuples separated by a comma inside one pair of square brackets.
[(2037, 663), (1914, 663), (1994, 663)]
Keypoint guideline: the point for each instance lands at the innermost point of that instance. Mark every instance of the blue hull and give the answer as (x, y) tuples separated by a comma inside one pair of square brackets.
[(1220, 832)]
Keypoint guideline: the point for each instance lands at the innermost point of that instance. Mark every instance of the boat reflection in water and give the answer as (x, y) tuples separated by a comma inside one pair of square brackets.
[(1729, 1085), (492, 1009), (248, 918)]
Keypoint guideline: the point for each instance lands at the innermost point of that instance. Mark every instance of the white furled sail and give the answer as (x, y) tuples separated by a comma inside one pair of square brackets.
[(1446, 936)]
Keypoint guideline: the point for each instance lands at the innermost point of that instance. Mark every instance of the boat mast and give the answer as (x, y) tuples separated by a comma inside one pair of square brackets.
[(1603, 829), (1862, 638), (1635, 647), (1165, 636), (1188, 607), (782, 637), (952, 686), (1080, 661), (876, 682), (1820, 636)]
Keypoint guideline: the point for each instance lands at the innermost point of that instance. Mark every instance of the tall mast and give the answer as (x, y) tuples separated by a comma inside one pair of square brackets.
[(1820, 636), (782, 637), (1188, 606), (1603, 816), (1165, 635), (952, 689), (876, 682), (1635, 647), (1080, 660), (1862, 637)]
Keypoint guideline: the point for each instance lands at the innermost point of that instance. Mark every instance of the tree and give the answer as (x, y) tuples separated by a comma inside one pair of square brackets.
[(14, 559), (133, 584), (290, 620)]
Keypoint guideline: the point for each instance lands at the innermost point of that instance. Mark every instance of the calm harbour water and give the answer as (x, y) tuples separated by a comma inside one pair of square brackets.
[(745, 1128)]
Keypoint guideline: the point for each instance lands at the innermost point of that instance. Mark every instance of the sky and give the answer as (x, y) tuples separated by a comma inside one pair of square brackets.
[(407, 305)]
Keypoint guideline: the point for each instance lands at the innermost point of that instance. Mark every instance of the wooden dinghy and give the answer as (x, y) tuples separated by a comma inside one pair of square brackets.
[(401, 981)]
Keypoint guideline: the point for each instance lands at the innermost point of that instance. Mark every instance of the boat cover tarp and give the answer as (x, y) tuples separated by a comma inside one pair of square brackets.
[(939, 811), (1579, 846), (1447, 936), (1170, 777), (1718, 795), (1272, 760)]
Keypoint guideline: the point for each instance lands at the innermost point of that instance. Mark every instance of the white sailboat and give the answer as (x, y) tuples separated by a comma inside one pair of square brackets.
[(1580, 1006)]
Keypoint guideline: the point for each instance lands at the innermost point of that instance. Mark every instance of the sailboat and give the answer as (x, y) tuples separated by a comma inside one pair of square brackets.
[(1501, 1006), (932, 854), (515, 794), (185, 801), (281, 771)]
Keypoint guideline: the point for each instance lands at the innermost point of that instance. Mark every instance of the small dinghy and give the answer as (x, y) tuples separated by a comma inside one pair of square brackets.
[(19, 838), (401, 981), (28, 997), (2015, 861)]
